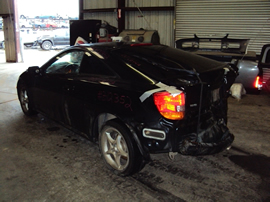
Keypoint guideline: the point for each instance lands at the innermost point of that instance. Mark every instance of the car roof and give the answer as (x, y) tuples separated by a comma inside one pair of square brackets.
[(188, 61)]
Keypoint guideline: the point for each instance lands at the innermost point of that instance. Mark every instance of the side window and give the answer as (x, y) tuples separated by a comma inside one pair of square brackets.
[(66, 64), (95, 66)]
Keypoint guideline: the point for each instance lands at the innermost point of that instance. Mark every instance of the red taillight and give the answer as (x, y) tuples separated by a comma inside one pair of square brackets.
[(170, 106), (258, 82)]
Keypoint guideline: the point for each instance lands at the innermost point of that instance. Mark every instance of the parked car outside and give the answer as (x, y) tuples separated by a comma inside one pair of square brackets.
[(63, 24), (25, 23), (38, 25), (23, 17), (56, 38), (134, 100), (29, 37), (50, 17), (228, 50), (2, 40), (2, 44), (51, 25)]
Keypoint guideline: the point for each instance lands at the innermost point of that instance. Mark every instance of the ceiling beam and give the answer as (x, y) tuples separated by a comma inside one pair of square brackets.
[(159, 8)]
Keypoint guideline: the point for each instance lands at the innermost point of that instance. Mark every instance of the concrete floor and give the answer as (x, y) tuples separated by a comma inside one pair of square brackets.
[(42, 161)]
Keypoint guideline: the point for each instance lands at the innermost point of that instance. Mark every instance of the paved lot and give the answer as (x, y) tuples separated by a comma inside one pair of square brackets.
[(42, 161)]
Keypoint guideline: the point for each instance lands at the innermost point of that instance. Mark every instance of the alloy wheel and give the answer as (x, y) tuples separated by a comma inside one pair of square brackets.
[(114, 149), (24, 100)]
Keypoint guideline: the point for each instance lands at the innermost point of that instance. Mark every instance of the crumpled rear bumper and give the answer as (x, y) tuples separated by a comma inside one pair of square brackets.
[(206, 142)]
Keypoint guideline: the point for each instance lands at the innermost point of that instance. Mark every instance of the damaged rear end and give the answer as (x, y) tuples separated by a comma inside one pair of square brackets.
[(203, 128), (206, 130)]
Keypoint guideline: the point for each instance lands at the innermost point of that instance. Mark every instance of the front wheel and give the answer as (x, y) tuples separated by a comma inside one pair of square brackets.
[(46, 45), (119, 150), (25, 102)]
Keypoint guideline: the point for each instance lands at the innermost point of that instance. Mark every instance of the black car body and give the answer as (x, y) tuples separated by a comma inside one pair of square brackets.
[(134, 100), (264, 63), (228, 50)]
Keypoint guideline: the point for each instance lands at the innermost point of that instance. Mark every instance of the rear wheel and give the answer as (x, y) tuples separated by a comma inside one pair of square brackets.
[(25, 102), (119, 150), (46, 45)]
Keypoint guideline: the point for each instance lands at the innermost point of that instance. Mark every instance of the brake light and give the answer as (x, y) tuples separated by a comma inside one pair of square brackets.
[(258, 82), (170, 106)]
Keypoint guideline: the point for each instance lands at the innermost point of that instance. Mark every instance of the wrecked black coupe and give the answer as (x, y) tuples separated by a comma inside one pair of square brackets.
[(134, 100)]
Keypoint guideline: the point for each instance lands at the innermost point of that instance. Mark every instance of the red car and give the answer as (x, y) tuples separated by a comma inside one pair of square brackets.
[(51, 25)]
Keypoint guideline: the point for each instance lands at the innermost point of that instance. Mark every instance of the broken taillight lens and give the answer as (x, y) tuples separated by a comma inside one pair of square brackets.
[(258, 82), (169, 105)]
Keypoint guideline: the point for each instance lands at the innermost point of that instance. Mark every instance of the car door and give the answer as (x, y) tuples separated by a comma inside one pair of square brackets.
[(59, 38), (82, 100), (53, 83)]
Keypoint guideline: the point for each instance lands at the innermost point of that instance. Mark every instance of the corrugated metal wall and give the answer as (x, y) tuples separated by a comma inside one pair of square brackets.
[(93, 4), (156, 20), (248, 19), (110, 17), (149, 3)]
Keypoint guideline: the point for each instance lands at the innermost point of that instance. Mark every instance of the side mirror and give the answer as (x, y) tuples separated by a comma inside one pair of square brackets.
[(34, 69)]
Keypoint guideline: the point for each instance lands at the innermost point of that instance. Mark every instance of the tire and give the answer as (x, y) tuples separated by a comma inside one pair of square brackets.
[(46, 45), (28, 46), (119, 150), (2, 45), (25, 101)]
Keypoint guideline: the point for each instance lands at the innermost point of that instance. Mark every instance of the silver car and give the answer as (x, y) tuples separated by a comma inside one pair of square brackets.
[(58, 38), (232, 51)]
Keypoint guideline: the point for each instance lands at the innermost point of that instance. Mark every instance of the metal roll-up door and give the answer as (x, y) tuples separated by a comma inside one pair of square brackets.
[(242, 19)]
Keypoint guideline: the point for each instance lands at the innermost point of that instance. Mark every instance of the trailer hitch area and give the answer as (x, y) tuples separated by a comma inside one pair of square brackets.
[(172, 155)]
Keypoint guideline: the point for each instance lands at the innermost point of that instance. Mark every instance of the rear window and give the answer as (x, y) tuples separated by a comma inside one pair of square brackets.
[(163, 60), (150, 62)]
